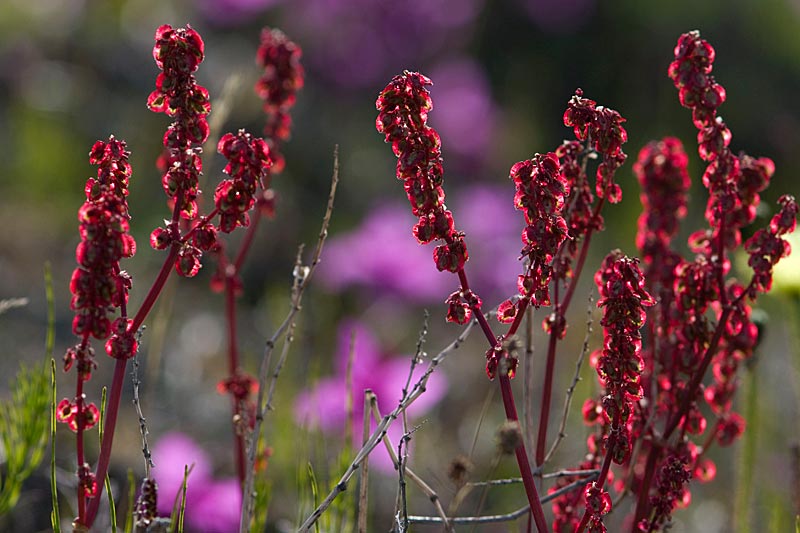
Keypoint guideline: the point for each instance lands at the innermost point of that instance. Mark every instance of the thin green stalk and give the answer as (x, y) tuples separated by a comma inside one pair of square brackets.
[(314, 492), (112, 510), (182, 509), (131, 502), (747, 457), (55, 516), (50, 338)]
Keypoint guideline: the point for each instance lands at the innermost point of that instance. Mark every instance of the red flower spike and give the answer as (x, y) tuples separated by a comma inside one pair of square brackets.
[(96, 284), (670, 491), (661, 169), (283, 77), (248, 165), (178, 53), (403, 108)]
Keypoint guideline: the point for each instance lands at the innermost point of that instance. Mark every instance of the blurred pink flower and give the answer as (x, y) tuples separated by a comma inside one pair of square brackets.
[(212, 506), (402, 267), (375, 38), (458, 85), (324, 405)]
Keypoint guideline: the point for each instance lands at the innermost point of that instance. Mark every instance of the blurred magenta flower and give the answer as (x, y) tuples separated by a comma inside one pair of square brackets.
[(374, 38), (461, 84), (324, 405), (486, 214), (212, 505)]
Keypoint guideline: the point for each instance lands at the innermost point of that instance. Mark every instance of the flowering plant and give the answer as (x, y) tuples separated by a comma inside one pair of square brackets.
[(677, 327), (697, 314)]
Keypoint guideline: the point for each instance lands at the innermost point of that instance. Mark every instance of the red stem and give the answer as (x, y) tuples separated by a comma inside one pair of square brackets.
[(522, 457), (691, 390), (576, 274), (247, 241), (547, 393), (642, 504), (689, 393), (560, 311), (601, 478), (510, 408), (79, 445), (233, 364), (117, 381), (203, 221)]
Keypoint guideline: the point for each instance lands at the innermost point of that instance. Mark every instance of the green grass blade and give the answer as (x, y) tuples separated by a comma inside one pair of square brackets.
[(747, 455), (314, 492), (131, 502), (55, 516), (50, 338), (182, 509), (112, 510)]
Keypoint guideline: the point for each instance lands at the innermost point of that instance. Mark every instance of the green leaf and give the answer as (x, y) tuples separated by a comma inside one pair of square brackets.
[(23, 431), (314, 491)]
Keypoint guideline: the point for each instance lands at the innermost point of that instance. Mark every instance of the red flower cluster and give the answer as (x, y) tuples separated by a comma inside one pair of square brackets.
[(403, 108), (87, 481), (691, 73), (603, 128), (283, 76), (766, 247), (566, 506), (249, 160), (620, 365), (670, 492), (733, 182), (241, 386), (67, 413), (578, 214), (97, 283), (661, 169), (541, 191), (178, 53)]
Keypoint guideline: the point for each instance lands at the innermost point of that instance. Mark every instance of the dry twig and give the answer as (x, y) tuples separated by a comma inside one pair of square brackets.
[(416, 391), (302, 277)]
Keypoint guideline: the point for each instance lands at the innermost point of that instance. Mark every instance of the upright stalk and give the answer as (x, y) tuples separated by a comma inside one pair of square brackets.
[(560, 309), (118, 379)]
